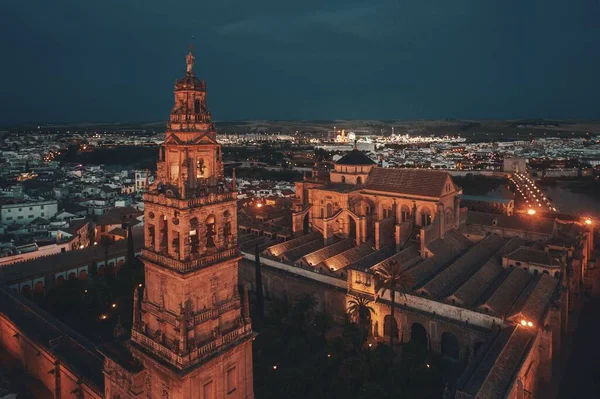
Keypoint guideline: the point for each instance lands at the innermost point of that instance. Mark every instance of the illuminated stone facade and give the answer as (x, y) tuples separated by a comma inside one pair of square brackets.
[(491, 293), (190, 338)]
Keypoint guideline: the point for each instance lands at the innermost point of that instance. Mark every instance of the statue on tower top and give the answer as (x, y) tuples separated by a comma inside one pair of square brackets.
[(189, 60)]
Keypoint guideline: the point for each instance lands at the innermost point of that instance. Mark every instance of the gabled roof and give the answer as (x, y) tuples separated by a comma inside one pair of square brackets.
[(422, 182), (355, 157), (515, 222), (531, 255)]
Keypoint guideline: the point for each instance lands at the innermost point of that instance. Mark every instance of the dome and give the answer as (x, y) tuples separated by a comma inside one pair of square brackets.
[(355, 157), (190, 82)]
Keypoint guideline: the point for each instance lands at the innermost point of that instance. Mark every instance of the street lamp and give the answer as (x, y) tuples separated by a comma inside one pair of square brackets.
[(531, 211)]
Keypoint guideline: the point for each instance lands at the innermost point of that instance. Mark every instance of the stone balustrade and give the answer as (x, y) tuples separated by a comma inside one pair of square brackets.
[(191, 264), (196, 355), (209, 199)]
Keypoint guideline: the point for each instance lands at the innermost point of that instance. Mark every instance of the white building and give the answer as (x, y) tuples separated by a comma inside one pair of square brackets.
[(25, 212), (140, 179)]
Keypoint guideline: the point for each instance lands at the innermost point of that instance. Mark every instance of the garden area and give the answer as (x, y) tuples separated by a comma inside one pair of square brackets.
[(299, 353)]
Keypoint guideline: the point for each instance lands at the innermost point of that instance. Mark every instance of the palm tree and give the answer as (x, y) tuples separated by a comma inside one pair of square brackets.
[(391, 276), (304, 308), (359, 309)]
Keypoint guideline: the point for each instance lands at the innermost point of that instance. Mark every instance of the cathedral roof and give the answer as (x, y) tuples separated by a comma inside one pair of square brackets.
[(355, 157), (423, 182)]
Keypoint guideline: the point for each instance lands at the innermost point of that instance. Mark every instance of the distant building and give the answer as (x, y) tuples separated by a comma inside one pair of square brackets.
[(141, 179), (24, 212)]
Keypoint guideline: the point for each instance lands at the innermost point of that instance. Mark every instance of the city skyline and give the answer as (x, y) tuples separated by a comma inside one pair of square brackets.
[(305, 61)]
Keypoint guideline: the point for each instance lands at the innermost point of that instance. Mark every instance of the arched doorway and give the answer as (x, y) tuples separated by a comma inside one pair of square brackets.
[(450, 347), (352, 228), (390, 327), (359, 180), (305, 223), (418, 334)]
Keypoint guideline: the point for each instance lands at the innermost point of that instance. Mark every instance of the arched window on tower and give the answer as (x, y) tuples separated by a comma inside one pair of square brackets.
[(210, 231), (197, 106), (200, 168), (194, 236)]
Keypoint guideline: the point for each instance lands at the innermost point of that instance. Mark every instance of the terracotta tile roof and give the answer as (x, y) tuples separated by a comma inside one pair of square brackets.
[(459, 271), (468, 293), (445, 250), (277, 250), (534, 300), (343, 259), (516, 222), (421, 182), (407, 257), (530, 255), (371, 260), (298, 252), (500, 297), (491, 375), (322, 254)]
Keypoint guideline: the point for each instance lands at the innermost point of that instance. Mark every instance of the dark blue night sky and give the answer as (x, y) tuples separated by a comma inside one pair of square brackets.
[(117, 60)]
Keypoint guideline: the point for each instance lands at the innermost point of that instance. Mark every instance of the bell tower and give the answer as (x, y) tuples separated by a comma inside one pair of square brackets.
[(189, 330)]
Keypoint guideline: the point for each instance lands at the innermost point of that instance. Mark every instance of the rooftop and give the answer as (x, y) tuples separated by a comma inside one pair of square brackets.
[(421, 182), (355, 157)]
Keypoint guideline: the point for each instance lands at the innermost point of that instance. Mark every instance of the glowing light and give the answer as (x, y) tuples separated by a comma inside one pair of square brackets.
[(531, 211), (529, 324), (329, 355), (85, 291), (259, 205), (370, 344), (428, 366), (274, 367), (140, 285), (523, 323), (114, 305), (103, 317), (588, 221), (81, 246), (95, 243)]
